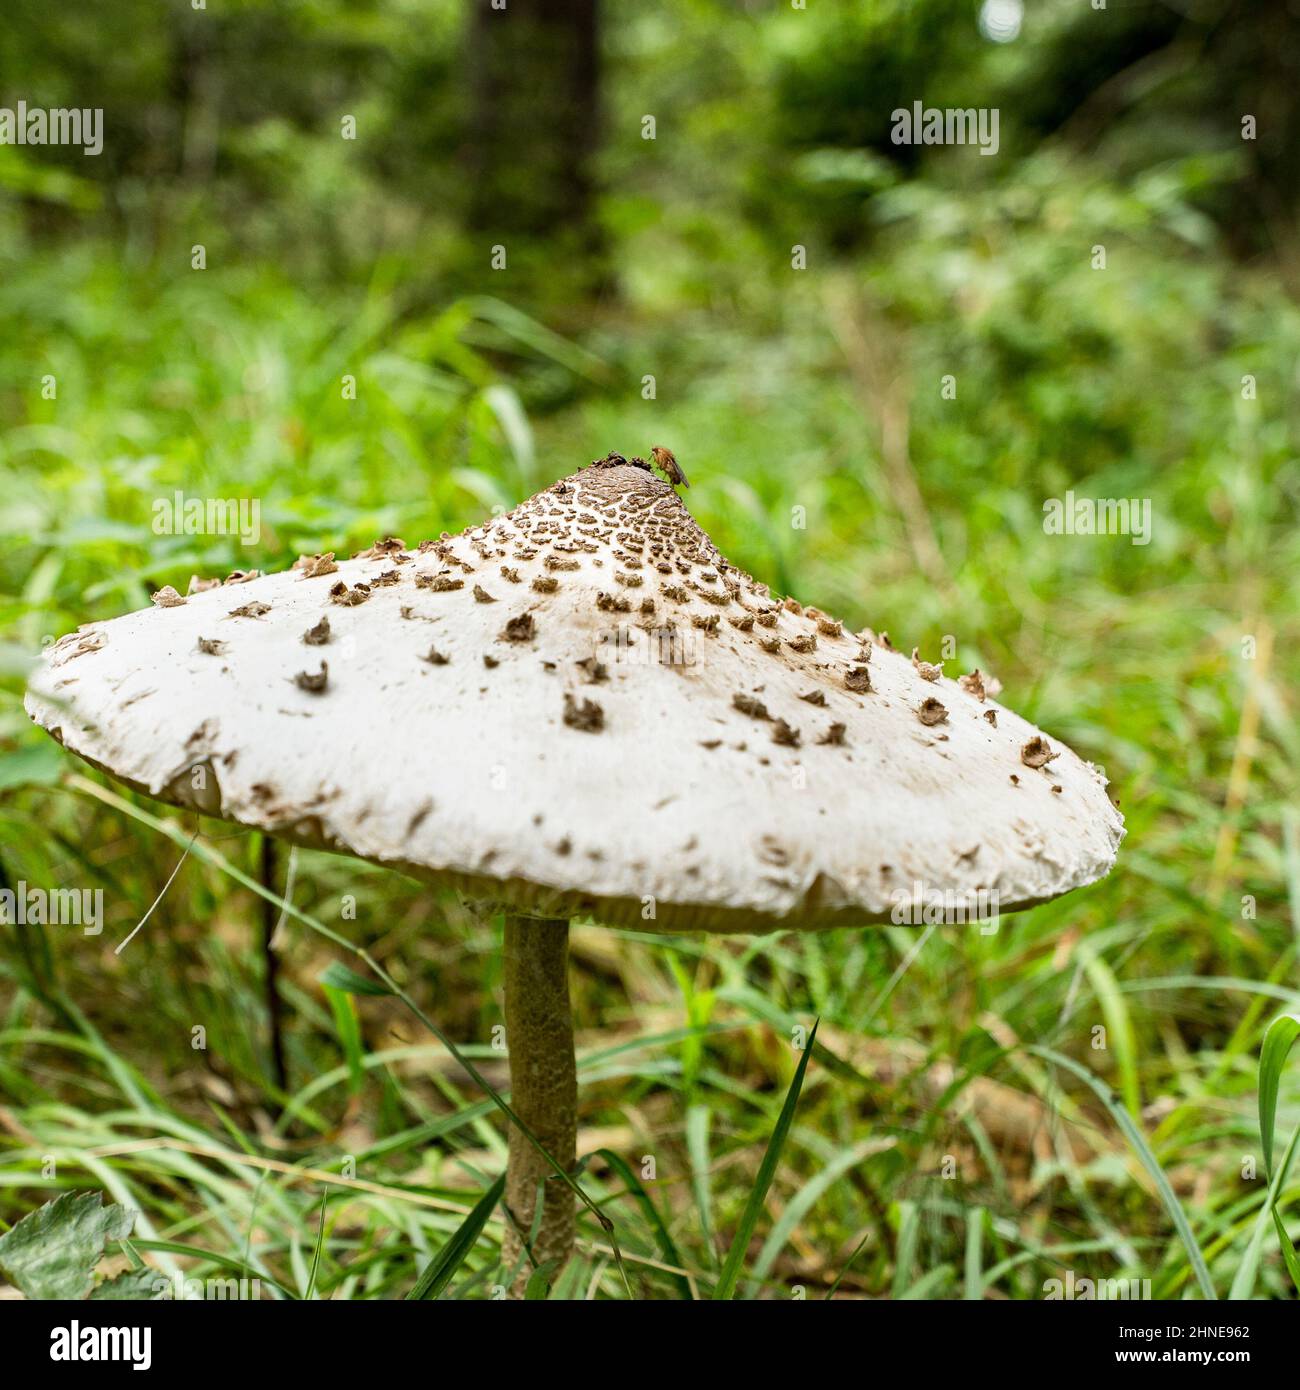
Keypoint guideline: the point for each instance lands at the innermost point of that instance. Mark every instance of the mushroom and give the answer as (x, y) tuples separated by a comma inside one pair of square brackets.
[(699, 787)]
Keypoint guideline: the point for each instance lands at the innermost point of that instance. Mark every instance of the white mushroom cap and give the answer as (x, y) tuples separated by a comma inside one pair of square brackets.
[(581, 707)]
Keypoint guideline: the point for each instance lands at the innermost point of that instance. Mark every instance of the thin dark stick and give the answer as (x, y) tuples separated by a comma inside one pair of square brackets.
[(271, 966)]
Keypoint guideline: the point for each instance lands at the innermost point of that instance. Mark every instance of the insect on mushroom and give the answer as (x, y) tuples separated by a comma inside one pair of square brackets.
[(666, 462), (597, 787)]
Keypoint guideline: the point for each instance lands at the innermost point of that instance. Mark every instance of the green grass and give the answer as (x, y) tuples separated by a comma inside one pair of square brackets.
[(964, 1129)]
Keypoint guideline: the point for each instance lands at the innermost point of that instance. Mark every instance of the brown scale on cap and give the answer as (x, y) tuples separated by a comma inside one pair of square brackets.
[(747, 704), (719, 600), (584, 715), (438, 583), (783, 734), (314, 682), (930, 711), (1037, 752), (973, 684), (313, 566), (928, 671), (520, 629), (390, 545)]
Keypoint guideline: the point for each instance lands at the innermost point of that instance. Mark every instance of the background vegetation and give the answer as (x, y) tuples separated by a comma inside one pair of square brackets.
[(933, 1153)]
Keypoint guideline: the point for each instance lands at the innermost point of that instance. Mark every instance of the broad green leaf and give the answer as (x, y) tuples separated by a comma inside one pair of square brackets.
[(52, 1252), (135, 1285)]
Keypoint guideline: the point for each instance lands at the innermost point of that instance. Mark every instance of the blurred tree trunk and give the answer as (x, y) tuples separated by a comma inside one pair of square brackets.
[(534, 117), (192, 90)]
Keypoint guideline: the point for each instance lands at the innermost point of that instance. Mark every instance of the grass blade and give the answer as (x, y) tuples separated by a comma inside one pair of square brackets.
[(320, 1245), (726, 1286), (848, 1264), (538, 1288), (1243, 1283), (439, 1271), (1278, 1040), (1289, 1256), (349, 1030), (1149, 1161), (667, 1246), (697, 1147), (338, 976), (1119, 1025), (973, 1284), (1282, 1033)]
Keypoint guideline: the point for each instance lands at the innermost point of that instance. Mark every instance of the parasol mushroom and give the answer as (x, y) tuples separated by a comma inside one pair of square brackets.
[(580, 708)]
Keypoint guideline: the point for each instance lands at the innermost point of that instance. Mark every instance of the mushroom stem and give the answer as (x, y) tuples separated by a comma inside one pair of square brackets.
[(543, 1087)]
